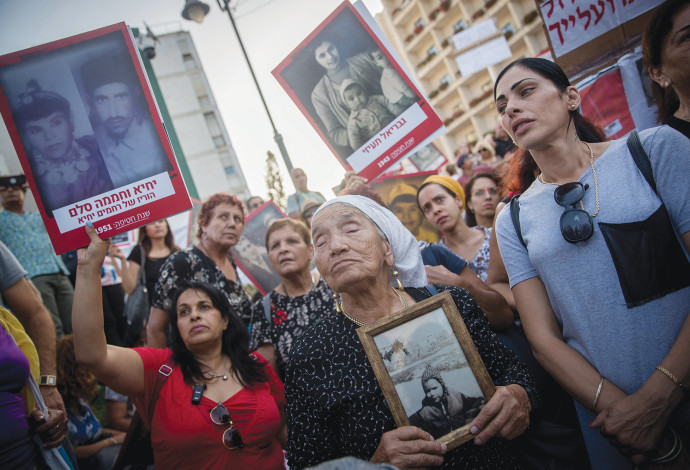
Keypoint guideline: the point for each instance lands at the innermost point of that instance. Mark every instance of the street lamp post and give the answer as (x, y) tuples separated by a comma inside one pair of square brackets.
[(196, 10)]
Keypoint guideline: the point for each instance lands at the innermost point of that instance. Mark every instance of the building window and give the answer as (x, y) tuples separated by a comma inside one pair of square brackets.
[(189, 62), (419, 22), (204, 101), (432, 51), (229, 170), (214, 129), (459, 26), (445, 79)]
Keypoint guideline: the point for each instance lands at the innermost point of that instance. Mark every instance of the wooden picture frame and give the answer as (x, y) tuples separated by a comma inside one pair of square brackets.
[(421, 343)]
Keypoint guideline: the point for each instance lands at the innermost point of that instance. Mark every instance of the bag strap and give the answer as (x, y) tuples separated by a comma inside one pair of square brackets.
[(163, 373), (641, 159), (515, 217), (432, 290), (266, 302), (142, 275)]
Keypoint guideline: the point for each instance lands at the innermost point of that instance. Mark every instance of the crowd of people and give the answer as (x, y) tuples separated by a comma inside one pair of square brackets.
[(566, 255)]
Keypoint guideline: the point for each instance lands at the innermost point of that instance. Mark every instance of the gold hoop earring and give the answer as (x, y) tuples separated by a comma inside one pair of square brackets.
[(395, 276), (338, 303)]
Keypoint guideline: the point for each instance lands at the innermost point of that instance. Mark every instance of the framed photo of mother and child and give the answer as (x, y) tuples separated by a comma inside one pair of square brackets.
[(429, 369), (88, 134), (356, 95)]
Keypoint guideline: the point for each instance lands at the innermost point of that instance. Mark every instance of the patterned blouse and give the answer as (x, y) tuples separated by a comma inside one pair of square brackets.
[(480, 263), (290, 317), (192, 264), (336, 408)]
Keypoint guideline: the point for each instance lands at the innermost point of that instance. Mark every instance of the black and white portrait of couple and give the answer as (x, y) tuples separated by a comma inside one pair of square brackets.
[(83, 120), (346, 84), (430, 373)]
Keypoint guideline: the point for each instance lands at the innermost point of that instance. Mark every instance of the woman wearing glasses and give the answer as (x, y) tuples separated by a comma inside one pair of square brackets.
[(220, 405), (602, 283), (483, 192)]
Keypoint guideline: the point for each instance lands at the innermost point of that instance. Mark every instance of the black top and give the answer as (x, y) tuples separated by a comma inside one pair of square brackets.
[(680, 125), (289, 318), (152, 269), (335, 407), (192, 264)]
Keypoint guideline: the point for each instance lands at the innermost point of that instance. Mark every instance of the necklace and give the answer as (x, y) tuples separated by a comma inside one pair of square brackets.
[(357, 322), (66, 170), (219, 376), (310, 289), (681, 115), (596, 183)]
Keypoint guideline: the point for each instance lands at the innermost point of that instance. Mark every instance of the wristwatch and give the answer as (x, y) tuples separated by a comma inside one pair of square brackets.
[(47, 381)]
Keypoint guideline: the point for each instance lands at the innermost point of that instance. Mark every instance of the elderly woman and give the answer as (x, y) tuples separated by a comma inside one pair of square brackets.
[(605, 304), (219, 406), (299, 300), (336, 407), (666, 55), (221, 222), (326, 96)]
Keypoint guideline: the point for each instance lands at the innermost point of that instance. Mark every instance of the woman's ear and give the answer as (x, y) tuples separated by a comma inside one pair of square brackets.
[(388, 254), (573, 99), (658, 75), (461, 205), (469, 206)]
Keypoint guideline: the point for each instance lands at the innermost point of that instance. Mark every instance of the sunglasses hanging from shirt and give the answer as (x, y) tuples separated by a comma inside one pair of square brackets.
[(231, 437)]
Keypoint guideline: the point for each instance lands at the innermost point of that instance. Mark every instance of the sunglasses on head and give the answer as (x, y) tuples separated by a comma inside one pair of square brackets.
[(576, 224), (231, 436), (481, 192)]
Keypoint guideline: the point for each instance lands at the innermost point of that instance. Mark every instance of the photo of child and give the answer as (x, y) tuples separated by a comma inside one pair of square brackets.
[(368, 113)]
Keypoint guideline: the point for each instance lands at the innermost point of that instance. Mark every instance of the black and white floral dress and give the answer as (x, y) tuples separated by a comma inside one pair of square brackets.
[(335, 407), (191, 264), (289, 318)]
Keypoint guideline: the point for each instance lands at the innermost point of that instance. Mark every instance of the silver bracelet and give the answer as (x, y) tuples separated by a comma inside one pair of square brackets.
[(596, 396), (671, 454)]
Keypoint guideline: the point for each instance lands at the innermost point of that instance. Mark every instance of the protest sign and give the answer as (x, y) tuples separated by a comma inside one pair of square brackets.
[(399, 192), (89, 137), (354, 92), (250, 252), (587, 35)]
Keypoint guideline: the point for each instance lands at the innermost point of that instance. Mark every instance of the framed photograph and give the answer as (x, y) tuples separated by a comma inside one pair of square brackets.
[(429, 369), (428, 158), (82, 117), (250, 252), (399, 192), (355, 93)]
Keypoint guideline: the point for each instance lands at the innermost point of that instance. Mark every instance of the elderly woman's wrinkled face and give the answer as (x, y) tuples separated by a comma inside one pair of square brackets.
[(349, 252), (327, 55)]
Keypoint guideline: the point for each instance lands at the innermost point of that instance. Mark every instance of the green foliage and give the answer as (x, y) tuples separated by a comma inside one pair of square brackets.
[(274, 182)]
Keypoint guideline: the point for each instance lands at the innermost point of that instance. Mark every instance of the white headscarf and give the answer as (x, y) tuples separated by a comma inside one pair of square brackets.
[(407, 259)]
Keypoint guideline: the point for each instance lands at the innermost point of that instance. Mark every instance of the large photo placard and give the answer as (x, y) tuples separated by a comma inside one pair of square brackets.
[(423, 356), (356, 95), (89, 137)]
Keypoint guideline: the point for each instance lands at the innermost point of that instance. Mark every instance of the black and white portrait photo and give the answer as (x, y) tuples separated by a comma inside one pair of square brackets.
[(431, 374), (345, 83)]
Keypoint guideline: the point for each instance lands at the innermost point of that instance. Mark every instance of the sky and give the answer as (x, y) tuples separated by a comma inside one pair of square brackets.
[(270, 30)]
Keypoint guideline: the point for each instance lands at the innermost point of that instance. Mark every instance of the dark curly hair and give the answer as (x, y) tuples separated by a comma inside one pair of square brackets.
[(211, 203), (235, 340), (73, 381)]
